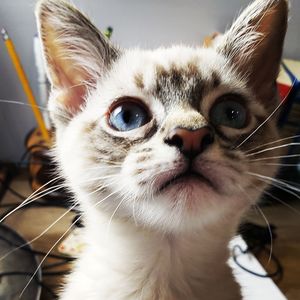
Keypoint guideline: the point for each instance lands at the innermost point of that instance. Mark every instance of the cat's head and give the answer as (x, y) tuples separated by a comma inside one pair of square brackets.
[(163, 137)]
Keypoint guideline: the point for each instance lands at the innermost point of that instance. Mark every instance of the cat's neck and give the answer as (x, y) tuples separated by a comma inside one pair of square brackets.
[(177, 266)]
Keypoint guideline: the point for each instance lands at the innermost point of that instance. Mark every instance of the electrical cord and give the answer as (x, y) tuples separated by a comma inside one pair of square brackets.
[(63, 261), (7, 187), (257, 238), (28, 158), (276, 274), (40, 283)]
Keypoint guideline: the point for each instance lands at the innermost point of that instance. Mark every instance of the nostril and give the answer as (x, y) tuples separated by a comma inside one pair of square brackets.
[(206, 141), (190, 142), (175, 140)]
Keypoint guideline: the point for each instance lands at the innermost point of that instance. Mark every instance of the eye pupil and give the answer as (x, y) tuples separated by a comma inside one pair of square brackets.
[(229, 112), (128, 115), (232, 114)]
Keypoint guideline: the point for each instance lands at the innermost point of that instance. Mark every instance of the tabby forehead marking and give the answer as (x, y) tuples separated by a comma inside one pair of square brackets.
[(182, 84), (216, 80), (139, 80)]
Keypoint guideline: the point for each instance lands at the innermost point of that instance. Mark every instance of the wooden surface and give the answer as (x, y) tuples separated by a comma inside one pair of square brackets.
[(30, 223)]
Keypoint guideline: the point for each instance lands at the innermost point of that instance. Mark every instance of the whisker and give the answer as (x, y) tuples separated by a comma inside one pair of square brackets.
[(283, 203), (113, 214), (112, 193), (262, 124), (275, 157), (277, 199), (111, 162), (102, 167), (35, 196), (134, 212), (279, 164), (25, 104), (40, 235), (99, 178), (280, 182), (273, 148), (53, 246), (264, 217), (280, 187), (270, 232), (274, 142), (291, 182), (45, 257), (31, 199)]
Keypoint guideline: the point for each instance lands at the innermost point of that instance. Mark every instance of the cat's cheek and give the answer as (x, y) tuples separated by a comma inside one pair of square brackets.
[(143, 167)]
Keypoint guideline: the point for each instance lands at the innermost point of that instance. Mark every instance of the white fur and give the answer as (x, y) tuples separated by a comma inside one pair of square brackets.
[(142, 244), (147, 249)]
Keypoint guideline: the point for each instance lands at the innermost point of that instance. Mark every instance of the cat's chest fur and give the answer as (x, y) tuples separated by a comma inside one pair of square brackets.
[(123, 262)]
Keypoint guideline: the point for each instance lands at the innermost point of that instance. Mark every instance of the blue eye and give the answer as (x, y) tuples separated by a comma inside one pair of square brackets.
[(229, 113), (128, 115)]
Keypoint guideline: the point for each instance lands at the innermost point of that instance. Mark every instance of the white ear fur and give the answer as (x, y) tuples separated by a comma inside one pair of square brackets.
[(254, 43), (77, 54)]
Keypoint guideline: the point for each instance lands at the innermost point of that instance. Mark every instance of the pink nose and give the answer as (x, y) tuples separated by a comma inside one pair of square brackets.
[(190, 142)]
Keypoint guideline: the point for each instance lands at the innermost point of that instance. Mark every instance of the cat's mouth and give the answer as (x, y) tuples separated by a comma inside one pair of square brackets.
[(185, 177)]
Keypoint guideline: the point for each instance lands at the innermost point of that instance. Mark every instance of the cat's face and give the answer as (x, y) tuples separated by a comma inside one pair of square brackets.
[(160, 137)]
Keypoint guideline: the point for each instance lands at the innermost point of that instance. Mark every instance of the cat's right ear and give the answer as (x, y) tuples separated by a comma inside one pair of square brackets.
[(254, 44), (76, 54)]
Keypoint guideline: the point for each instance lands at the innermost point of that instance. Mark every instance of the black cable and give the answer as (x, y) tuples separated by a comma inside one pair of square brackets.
[(65, 259), (12, 190), (16, 273), (257, 238), (277, 273), (42, 202), (40, 283)]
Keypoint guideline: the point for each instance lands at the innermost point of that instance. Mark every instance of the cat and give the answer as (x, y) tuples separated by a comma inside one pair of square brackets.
[(155, 146)]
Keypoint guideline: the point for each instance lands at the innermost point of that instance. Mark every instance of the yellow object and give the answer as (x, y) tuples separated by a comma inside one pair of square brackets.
[(208, 40), (25, 84)]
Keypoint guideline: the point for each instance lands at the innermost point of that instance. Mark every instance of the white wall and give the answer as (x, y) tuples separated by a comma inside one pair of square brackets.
[(136, 23)]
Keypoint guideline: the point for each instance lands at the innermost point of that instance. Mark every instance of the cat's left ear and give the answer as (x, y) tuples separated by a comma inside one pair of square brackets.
[(76, 53), (254, 44)]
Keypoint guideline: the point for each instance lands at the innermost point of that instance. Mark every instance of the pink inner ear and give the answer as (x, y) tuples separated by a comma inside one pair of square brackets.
[(70, 82), (74, 98)]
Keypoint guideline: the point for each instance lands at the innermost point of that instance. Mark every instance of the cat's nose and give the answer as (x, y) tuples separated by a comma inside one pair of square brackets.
[(190, 142)]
